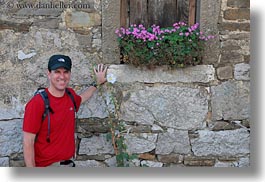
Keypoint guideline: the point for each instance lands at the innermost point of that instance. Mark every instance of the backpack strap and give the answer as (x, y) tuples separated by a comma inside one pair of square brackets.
[(47, 110), (72, 98)]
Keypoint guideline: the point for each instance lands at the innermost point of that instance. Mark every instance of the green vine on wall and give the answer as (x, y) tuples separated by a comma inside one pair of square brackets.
[(117, 127)]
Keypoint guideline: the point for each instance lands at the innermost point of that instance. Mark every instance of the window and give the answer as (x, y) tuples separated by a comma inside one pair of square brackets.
[(160, 12)]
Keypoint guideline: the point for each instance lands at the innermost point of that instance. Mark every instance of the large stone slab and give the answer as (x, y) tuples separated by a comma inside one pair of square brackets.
[(10, 137), (140, 143), (96, 145), (170, 106), (231, 100), (221, 143), (173, 141), (129, 74)]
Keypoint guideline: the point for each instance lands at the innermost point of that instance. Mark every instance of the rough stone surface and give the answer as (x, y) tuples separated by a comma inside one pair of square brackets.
[(224, 164), (242, 71), (95, 145), (231, 100), (208, 18), (234, 26), (221, 143), (4, 162), (141, 143), (225, 72), (238, 3), (10, 137), (177, 142), (168, 105), (89, 163), (151, 164), (110, 15), (95, 107), (171, 158), (127, 74), (244, 162), (231, 57), (82, 21), (235, 14), (111, 162), (195, 161)]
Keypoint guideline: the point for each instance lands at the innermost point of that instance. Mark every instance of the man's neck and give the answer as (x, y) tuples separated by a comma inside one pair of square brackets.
[(55, 92)]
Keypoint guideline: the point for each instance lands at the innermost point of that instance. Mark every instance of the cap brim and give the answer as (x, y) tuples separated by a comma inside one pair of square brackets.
[(56, 66)]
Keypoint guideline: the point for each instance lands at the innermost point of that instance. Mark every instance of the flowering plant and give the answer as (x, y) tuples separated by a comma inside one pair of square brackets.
[(176, 46)]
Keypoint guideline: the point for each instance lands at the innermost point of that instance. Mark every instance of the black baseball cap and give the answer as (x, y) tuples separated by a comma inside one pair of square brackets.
[(58, 61)]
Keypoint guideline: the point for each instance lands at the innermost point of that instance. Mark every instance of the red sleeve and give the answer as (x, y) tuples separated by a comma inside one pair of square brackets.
[(33, 115), (77, 99)]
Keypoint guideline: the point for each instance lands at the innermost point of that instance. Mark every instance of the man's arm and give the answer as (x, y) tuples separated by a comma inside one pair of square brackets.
[(87, 94), (100, 73), (28, 148)]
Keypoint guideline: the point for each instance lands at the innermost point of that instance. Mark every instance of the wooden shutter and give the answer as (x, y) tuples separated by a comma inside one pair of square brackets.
[(160, 12)]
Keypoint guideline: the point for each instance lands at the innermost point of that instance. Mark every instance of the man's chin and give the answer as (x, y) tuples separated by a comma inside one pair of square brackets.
[(61, 88)]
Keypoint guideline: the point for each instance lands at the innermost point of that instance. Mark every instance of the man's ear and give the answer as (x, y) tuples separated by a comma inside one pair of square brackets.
[(48, 73)]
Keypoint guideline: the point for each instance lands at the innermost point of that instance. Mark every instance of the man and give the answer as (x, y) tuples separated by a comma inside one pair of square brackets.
[(49, 140)]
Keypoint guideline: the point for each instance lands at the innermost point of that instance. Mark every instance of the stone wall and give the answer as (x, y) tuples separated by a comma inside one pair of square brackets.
[(197, 116)]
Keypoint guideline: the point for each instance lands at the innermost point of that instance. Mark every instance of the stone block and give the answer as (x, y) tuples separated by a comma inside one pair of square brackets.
[(111, 162), (110, 22), (239, 46), (242, 71), (96, 145), (4, 162), (140, 143), (231, 100), (146, 156), (171, 158), (237, 14), (195, 161), (92, 125), (238, 3), (146, 163), (221, 143), (231, 57), (235, 36), (82, 22), (222, 125), (17, 27), (173, 142), (52, 23), (89, 163), (225, 72), (130, 74), (10, 137), (94, 107), (234, 26), (224, 164), (169, 106)]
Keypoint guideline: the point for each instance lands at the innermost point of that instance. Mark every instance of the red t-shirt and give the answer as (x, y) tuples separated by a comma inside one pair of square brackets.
[(62, 127)]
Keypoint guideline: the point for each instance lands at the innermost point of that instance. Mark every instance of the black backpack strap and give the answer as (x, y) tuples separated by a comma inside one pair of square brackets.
[(47, 110), (72, 98)]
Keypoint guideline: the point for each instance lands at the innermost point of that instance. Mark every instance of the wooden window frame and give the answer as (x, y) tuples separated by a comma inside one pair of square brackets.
[(192, 19)]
